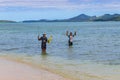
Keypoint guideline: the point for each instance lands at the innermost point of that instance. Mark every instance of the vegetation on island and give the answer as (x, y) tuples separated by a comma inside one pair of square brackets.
[(83, 18)]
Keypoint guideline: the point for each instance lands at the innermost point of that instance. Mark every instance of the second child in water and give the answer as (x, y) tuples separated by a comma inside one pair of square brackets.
[(70, 36)]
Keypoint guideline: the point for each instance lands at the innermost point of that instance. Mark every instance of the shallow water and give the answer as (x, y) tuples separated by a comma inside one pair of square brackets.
[(96, 44)]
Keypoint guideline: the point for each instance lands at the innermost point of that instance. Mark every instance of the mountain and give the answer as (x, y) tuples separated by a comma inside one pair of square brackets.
[(7, 21), (83, 18), (108, 17)]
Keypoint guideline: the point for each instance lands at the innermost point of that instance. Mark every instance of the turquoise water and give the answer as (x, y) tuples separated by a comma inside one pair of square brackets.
[(96, 42)]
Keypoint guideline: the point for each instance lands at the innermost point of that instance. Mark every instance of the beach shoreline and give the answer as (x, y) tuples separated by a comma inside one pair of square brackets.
[(12, 70), (89, 71)]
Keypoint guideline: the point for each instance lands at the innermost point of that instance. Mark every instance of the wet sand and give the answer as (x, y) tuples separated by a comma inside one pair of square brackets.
[(10, 70), (15, 70)]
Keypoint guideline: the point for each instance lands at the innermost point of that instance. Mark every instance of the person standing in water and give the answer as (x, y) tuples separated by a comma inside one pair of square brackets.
[(70, 36), (43, 40)]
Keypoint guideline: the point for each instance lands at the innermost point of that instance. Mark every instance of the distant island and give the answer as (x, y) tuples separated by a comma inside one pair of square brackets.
[(7, 21), (79, 18), (82, 18)]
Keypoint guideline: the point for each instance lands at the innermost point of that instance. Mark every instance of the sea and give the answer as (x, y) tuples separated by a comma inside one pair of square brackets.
[(95, 52)]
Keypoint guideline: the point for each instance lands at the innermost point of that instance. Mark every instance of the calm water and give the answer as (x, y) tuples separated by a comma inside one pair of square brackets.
[(96, 42)]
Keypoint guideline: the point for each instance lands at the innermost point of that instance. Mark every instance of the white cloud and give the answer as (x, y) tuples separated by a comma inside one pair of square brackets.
[(58, 4), (33, 3)]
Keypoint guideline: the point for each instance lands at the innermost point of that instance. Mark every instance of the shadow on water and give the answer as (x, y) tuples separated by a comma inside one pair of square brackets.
[(45, 57), (44, 53), (70, 47), (70, 52)]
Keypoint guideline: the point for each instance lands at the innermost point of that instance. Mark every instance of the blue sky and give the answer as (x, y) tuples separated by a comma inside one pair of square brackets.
[(55, 9)]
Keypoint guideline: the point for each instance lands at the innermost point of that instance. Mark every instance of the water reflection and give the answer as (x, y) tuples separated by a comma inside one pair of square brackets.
[(44, 53)]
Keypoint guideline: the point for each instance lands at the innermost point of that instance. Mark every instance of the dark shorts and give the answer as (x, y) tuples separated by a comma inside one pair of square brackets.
[(43, 46), (70, 43)]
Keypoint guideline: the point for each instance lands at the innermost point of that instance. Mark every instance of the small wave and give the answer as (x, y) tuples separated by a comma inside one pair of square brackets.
[(27, 47), (114, 63), (11, 49), (77, 40), (3, 44)]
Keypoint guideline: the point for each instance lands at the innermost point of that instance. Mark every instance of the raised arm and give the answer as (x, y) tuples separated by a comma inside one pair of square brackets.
[(66, 33), (75, 33), (39, 38)]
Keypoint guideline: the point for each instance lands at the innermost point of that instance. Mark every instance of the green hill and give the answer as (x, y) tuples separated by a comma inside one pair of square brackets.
[(7, 21), (83, 18)]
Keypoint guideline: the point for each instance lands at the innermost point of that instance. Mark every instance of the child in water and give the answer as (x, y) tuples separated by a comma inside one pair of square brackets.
[(43, 43), (70, 36)]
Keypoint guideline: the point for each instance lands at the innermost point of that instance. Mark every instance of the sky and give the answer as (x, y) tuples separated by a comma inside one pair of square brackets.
[(19, 10)]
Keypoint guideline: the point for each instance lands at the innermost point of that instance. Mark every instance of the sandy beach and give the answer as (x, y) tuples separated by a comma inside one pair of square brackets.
[(15, 70), (10, 70)]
